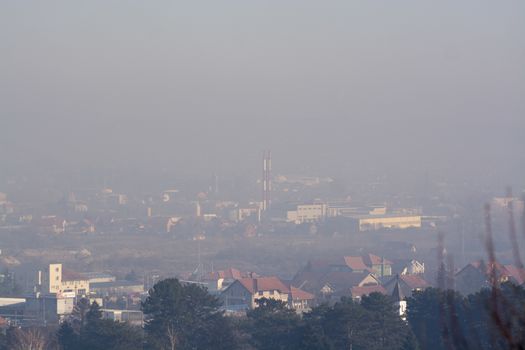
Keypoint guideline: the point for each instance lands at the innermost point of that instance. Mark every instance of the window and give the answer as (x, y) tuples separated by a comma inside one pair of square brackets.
[(261, 292)]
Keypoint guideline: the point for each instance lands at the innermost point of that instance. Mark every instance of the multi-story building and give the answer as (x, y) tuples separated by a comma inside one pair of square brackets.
[(307, 213), (56, 280)]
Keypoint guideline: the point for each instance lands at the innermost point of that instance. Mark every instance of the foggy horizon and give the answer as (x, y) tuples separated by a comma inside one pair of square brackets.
[(350, 90), (261, 175)]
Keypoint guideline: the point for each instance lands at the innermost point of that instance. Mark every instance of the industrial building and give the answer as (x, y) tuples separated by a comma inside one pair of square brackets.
[(377, 222), (306, 213)]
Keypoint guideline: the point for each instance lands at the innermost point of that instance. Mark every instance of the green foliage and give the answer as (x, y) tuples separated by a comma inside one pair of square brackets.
[(68, 338), (79, 312), (185, 317), (272, 325), (3, 341), (390, 331), (99, 334), (485, 320), (373, 324)]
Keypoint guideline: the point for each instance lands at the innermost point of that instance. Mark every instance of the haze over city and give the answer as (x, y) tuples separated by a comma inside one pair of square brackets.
[(270, 159), (348, 88)]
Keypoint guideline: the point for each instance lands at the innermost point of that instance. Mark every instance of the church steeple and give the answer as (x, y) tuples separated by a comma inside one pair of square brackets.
[(399, 299), (397, 294)]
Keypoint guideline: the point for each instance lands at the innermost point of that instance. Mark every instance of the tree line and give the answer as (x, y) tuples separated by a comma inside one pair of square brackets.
[(179, 316)]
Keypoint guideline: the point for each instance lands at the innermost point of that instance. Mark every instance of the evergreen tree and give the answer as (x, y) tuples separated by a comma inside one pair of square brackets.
[(99, 334), (313, 332), (272, 325), (79, 313), (68, 338), (390, 330), (185, 317), (347, 325)]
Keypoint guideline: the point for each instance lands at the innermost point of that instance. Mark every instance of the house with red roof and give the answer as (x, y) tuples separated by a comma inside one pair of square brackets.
[(477, 275), (516, 274), (243, 294), (346, 276), (380, 266), (218, 280), (407, 283)]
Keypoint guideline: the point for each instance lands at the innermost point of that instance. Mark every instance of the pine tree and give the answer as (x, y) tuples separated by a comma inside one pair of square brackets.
[(185, 317)]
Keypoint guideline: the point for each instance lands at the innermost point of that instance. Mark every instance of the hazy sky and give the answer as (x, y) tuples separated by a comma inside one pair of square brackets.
[(353, 88)]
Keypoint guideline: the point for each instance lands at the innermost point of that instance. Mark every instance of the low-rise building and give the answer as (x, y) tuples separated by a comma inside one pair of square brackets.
[(377, 222), (477, 275), (407, 283), (98, 277), (409, 267), (44, 309), (117, 288), (380, 266), (219, 280), (132, 317), (244, 293)]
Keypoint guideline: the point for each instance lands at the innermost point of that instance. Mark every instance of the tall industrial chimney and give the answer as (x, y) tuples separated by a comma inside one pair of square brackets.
[(267, 180)]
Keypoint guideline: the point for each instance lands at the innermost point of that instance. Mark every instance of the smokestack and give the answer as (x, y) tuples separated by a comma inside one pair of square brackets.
[(267, 180)]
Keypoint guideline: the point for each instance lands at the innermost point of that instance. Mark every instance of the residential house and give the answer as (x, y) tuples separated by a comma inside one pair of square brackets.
[(407, 283), (516, 274), (333, 279), (244, 293), (330, 282), (217, 281), (477, 275), (380, 266), (408, 267)]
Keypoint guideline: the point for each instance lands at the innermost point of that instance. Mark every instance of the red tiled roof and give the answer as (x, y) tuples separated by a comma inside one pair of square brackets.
[(371, 259), (308, 280), (516, 273), (343, 279), (254, 285), (408, 284), (365, 290), (299, 294), (480, 264), (414, 281), (227, 274), (355, 262), (317, 265)]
